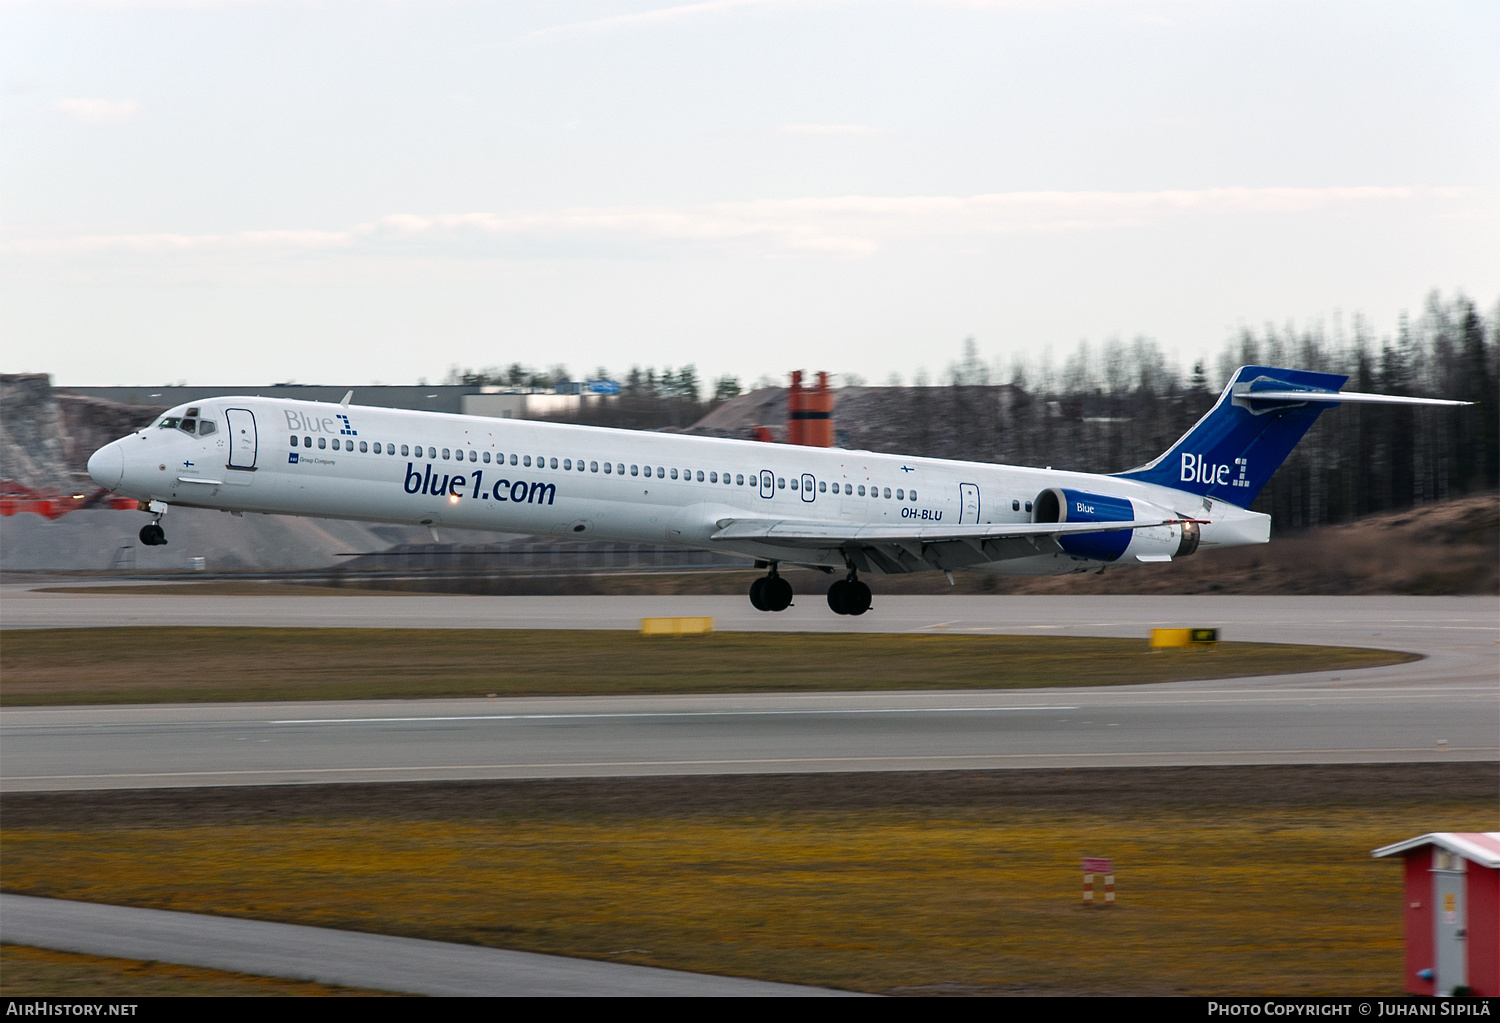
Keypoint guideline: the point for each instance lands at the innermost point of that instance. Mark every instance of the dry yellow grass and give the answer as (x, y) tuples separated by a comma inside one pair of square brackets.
[(1249, 899)]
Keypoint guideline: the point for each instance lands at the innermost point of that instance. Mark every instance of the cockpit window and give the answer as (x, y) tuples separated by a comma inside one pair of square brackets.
[(169, 423), (206, 427), (192, 411), (189, 426)]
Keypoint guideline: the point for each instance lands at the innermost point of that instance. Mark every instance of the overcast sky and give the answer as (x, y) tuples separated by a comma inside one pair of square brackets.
[(251, 192)]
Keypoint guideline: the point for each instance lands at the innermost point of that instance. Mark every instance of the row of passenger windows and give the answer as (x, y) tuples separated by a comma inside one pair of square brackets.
[(610, 468)]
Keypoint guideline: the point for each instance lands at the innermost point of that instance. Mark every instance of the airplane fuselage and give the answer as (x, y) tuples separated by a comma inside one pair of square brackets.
[(273, 456)]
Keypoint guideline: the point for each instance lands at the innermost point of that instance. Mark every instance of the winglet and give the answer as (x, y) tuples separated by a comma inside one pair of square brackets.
[(347, 398)]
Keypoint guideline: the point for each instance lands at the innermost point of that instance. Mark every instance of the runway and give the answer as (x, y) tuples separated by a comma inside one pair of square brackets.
[(1441, 708)]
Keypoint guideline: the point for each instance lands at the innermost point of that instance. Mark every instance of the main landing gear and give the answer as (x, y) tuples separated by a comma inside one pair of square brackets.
[(849, 596), (771, 592)]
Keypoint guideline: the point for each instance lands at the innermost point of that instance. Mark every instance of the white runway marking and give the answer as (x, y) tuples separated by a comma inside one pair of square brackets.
[(657, 714)]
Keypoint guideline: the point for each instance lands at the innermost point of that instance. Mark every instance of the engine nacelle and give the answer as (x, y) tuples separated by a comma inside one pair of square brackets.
[(1056, 504)]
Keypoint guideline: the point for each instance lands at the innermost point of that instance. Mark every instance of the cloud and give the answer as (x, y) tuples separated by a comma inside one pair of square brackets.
[(828, 129), (854, 225), (98, 111), (657, 15)]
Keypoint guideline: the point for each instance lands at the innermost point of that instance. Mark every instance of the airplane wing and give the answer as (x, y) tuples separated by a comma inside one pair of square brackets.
[(917, 547), (791, 533)]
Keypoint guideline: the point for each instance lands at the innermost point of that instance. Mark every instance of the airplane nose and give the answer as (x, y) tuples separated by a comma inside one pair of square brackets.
[(107, 465)]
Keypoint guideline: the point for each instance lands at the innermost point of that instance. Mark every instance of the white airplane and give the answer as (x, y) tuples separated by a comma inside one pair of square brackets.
[(828, 508)]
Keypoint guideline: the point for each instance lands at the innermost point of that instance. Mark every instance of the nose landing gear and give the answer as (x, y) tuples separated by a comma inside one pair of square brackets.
[(849, 596), (771, 593), (152, 535)]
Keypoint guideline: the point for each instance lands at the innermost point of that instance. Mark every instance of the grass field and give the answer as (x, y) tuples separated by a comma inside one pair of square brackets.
[(169, 664), (27, 972), (1232, 880)]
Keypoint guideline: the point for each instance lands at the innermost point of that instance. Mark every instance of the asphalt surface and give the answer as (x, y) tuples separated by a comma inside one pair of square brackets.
[(349, 958), (1442, 708), (1446, 706)]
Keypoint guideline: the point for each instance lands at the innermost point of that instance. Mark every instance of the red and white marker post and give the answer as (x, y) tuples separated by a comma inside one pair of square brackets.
[(1092, 866)]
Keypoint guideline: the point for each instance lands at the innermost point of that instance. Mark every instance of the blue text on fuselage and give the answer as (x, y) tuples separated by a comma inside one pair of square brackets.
[(440, 484)]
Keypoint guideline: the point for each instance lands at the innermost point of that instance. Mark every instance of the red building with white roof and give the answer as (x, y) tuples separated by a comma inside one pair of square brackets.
[(1452, 912)]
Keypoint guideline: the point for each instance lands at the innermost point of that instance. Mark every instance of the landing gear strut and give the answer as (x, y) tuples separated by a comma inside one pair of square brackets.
[(771, 592), (849, 596)]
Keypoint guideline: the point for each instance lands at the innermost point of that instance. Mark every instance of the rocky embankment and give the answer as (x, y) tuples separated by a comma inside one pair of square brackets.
[(47, 435)]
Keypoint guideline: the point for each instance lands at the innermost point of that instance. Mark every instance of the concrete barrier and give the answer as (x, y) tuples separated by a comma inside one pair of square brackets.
[(677, 626), (1161, 638)]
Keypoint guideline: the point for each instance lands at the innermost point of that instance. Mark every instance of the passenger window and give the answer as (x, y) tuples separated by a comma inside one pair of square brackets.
[(445, 454), (609, 467), (206, 427), (1015, 506), (620, 468), (568, 464), (635, 470), (900, 494), (526, 461), (486, 458), (780, 483), (362, 447), (552, 463), (700, 475), (861, 491), (335, 444), (432, 453), (322, 442), (794, 483), (887, 493), (674, 474), (739, 480), (1028, 506), (726, 479), (376, 447), (513, 459), (912, 495), (593, 467), (661, 473), (713, 477), (473, 455), (307, 442), (294, 441), (404, 450)]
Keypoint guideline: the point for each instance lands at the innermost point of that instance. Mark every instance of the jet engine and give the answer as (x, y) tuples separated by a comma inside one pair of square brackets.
[(1155, 543)]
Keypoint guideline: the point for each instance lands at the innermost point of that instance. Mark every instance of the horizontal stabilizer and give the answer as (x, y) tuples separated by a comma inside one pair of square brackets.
[(1295, 397)]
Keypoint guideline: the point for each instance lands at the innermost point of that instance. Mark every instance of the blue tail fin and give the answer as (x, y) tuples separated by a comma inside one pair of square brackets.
[(1232, 451)]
